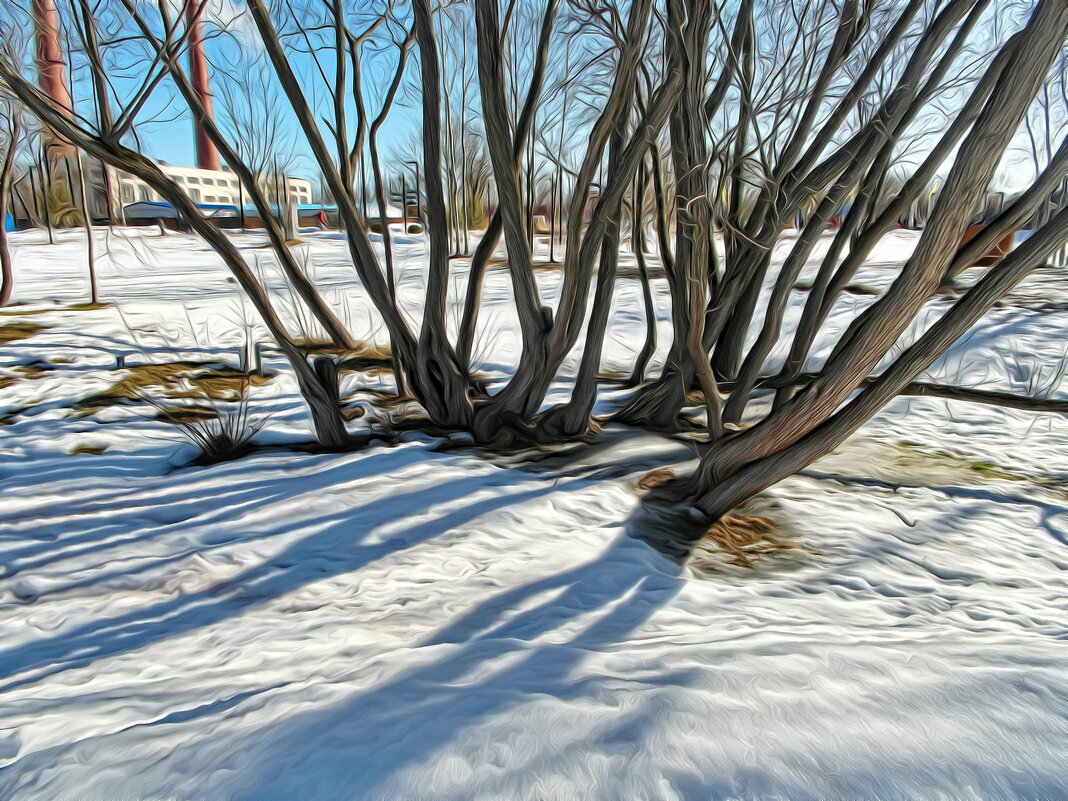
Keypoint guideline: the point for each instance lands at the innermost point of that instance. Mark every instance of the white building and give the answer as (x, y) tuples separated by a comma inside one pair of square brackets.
[(209, 186)]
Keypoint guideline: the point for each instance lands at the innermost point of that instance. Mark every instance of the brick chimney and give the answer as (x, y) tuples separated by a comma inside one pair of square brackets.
[(51, 69), (207, 155)]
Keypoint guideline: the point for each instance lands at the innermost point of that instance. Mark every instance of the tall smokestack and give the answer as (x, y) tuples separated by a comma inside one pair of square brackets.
[(207, 155), (51, 68)]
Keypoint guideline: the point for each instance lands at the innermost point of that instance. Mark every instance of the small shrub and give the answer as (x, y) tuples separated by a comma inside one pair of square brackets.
[(209, 405)]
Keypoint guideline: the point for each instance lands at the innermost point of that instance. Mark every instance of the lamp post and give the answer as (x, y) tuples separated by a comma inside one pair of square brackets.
[(418, 192)]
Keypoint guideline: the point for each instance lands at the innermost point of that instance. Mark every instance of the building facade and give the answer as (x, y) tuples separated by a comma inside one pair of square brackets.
[(209, 187)]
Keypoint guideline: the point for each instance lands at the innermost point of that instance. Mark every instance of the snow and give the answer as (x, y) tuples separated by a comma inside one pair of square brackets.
[(421, 623)]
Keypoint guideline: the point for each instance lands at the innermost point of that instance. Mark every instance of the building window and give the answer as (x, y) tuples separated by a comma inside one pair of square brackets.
[(233, 184), (210, 198), (127, 192), (142, 194), (195, 194), (209, 181), (193, 179)]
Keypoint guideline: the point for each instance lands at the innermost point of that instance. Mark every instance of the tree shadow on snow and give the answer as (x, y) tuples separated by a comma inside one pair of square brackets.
[(493, 660), (332, 547)]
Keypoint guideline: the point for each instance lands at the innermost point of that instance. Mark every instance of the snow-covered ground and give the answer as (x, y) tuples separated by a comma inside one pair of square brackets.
[(411, 622)]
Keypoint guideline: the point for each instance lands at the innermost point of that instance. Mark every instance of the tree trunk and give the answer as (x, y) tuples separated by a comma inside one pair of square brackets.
[(441, 386), (637, 238), (7, 165)]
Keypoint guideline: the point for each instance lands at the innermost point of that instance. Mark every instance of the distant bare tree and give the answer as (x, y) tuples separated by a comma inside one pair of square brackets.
[(252, 113)]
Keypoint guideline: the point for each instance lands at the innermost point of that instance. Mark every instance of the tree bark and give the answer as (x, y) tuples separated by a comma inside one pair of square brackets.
[(439, 383), (494, 228), (637, 239), (7, 164)]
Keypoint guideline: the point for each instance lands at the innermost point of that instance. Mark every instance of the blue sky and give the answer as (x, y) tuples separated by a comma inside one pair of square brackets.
[(167, 130)]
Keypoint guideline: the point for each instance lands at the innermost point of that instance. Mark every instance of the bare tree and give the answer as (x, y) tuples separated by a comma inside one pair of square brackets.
[(253, 120), (10, 137), (810, 422), (734, 118)]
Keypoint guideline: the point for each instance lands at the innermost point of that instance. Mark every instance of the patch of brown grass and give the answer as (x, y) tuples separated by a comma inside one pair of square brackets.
[(363, 352), (497, 261), (185, 415), (226, 384), (34, 371), (351, 413), (17, 311), (90, 450), (12, 332), (190, 381), (741, 540), (655, 478)]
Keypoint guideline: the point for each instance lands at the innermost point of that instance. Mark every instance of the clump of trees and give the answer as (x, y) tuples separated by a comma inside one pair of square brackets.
[(715, 126)]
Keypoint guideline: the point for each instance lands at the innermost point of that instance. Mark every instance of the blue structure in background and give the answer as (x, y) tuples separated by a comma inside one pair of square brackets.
[(151, 211)]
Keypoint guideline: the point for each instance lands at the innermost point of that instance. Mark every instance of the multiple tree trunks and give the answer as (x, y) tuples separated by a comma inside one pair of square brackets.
[(749, 143)]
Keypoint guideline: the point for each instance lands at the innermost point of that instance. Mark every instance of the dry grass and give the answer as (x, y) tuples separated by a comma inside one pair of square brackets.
[(364, 352), (655, 478), (207, 403), (19, 312), (12, 332), (185, 415), (548, 265), (740, 540), (33, 371), (183, 381), (90, 450)]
